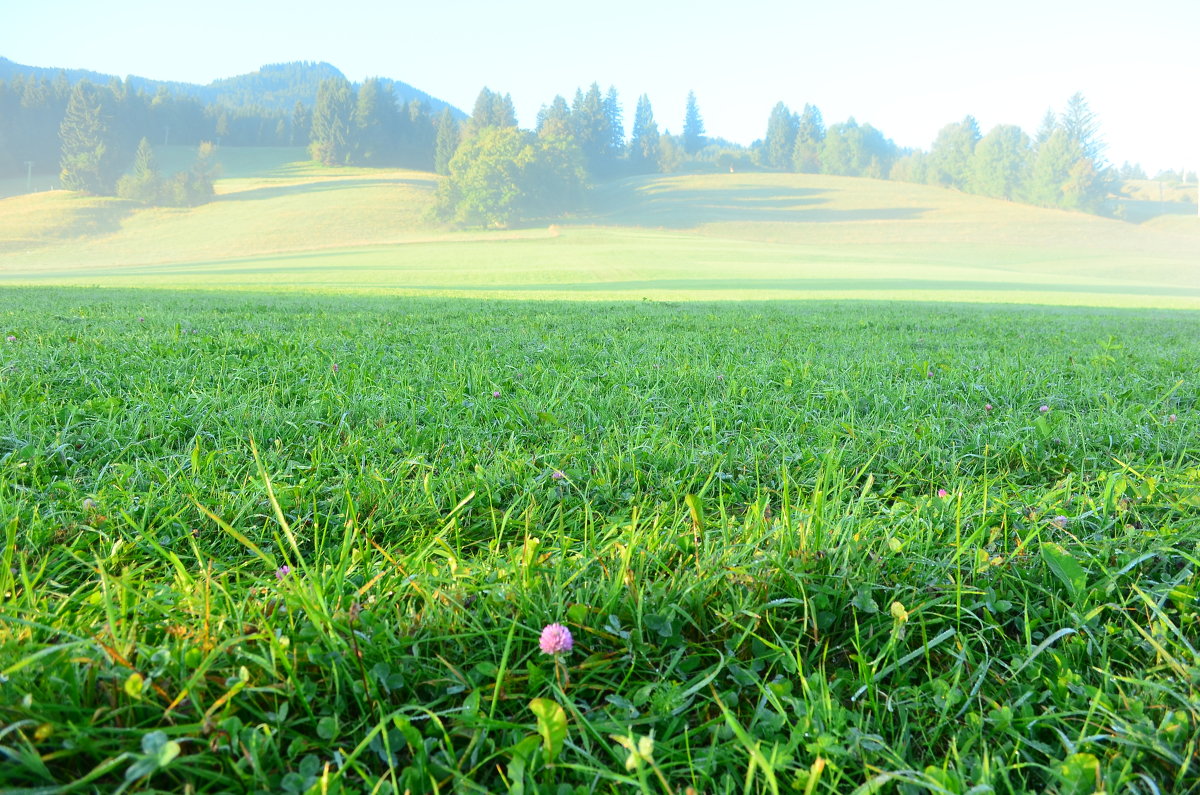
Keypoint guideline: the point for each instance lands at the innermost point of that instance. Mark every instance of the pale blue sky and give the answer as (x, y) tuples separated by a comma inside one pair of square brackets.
[(906, 67)]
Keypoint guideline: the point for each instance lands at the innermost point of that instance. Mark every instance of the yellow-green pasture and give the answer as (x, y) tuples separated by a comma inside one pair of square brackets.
[(290, 225)]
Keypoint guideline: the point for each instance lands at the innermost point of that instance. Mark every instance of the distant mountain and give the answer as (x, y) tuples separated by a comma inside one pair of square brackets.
[(273, 87)]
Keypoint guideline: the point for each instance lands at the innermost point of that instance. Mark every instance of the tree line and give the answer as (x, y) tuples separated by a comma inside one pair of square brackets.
[(1061, 166), (101, 137), (498, 174)]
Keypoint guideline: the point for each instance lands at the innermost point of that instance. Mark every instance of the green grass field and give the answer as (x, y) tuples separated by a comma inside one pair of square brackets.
[(286, 506), (283, 225)]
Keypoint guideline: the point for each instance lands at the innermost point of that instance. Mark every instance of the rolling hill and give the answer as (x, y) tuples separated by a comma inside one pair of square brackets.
[(283, 224)]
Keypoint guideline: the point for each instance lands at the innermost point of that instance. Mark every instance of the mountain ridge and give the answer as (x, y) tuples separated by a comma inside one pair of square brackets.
[(275, 86)]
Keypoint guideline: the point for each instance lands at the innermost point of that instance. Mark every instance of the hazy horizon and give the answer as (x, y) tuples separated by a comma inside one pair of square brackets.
[(907, 70)]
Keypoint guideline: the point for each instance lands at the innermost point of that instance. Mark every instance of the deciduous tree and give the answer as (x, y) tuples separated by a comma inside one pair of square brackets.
[(1000, 162)]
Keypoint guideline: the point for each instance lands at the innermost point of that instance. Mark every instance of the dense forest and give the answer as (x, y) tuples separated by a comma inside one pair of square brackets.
[(100, 138)]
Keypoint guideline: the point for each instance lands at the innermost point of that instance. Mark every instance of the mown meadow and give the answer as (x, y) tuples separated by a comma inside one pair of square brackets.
[(275, 542)]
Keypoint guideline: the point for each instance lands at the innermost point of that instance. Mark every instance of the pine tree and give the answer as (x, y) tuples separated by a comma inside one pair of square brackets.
[(693, 126), (780, 142), (644, 147), (87, 147)]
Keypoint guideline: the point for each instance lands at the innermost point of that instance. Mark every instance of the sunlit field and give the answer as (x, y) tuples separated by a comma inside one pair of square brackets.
[(287, 505), (745, 236)]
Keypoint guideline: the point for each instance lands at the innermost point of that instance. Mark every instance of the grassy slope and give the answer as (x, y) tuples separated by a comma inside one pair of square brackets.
[(719, 235)]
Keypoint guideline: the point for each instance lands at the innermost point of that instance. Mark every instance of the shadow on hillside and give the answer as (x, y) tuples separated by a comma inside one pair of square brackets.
[(686, 208), (803, 285), (316, 186)]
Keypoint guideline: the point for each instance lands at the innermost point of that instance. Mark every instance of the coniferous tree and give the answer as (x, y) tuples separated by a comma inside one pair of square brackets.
[(88, 152), (446, 143), (374, 115), (1047, 128), (142, 184), (780, 141), (616, 124), (693, 126), (415, 136), (331, 139), (644, 146), (301, 124), (555, 119), (593, 130), (1052, 168), (492, 109), (810, 137), (1083, 127)]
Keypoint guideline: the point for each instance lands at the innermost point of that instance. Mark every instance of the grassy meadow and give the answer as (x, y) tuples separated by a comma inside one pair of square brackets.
[(281, 225), (286, 506)]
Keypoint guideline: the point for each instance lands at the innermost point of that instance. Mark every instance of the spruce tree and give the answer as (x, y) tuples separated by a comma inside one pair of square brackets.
[(301, 124), (810, 136), (374, 113), (142, 184), (693, 126), (88, 152), (331, 138), (616, 124), (644, 146), (446, 143), (555, 119), (593, 130), (1083, 127), (1051, 169)]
